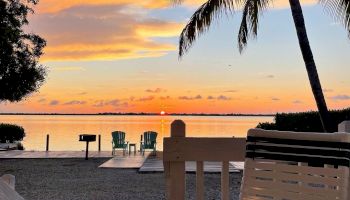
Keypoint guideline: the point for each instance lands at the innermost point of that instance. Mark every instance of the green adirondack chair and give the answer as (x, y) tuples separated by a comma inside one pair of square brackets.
[(149, 142), (119, 142)]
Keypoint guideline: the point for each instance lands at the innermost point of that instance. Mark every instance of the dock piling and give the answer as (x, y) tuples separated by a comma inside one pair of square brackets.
[(99, 142), (47, 142)]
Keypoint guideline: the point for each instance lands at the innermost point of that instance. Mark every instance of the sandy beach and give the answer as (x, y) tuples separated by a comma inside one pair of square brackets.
[(65, 179)]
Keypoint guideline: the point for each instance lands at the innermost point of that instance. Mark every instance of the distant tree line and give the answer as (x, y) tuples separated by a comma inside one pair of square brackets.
[(143, 113)]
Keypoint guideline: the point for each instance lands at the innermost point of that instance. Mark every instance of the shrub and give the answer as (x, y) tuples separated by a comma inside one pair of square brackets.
[(10, 133), (20, 146), (267, 126), (305, 121)]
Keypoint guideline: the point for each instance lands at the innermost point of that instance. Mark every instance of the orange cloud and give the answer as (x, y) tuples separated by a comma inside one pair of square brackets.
[(68, 68), (104, 52), (54, 6), (159, 29), (157, 90), (110, 33), (81, 30)]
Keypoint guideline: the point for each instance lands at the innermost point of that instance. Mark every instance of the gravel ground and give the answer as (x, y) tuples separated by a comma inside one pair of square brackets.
[(69, 179)]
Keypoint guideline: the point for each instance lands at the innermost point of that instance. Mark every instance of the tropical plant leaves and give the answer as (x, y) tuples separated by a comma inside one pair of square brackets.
[(250, 21), (252, 9), (201, 21), (340, 9)]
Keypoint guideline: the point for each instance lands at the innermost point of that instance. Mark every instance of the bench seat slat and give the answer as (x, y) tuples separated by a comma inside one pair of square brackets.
[(297, 188), (251, 192), (301, 178)]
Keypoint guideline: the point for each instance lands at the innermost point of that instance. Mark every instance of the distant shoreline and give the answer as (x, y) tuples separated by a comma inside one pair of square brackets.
[(146, 114)]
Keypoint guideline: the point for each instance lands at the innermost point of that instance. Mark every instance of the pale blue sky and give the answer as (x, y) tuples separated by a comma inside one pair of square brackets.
[(270, 74)]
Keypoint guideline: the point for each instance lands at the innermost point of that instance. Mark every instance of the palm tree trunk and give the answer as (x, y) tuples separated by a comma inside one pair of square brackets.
[(310, 63)]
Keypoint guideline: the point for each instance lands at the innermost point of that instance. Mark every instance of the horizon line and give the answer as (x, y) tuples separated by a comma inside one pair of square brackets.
[(144, 113)]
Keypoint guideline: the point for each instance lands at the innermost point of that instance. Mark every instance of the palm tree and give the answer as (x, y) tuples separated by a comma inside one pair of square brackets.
[(252, 9)]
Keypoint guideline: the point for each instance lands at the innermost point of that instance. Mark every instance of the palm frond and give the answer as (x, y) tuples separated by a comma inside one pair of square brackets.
[(340, 9), (177, 1), (252, 9), (201, 21)]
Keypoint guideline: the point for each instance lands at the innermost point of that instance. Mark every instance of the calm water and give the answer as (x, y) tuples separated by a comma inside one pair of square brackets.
[(64, 130)]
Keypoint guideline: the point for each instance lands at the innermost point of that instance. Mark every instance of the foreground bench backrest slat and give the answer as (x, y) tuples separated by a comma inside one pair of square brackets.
[(296, 166)]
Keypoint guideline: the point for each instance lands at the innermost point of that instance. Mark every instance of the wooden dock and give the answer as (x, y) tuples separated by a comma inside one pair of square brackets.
[(125, 161), (154, 164), (15, 154), (144, 164)]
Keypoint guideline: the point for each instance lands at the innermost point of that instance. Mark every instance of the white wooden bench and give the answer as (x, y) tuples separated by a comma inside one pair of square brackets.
[(278, 165), (7, 188), (296, 166)]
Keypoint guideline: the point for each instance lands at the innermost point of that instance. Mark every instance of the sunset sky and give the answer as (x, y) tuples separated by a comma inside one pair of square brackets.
[(121, 56)]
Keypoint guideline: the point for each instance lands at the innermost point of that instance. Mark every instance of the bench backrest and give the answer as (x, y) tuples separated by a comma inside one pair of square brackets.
[(293, 166)]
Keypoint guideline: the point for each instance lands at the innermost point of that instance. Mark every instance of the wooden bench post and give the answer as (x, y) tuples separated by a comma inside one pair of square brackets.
[(200, 180), (345, 127), (175, 170), (225, 175)]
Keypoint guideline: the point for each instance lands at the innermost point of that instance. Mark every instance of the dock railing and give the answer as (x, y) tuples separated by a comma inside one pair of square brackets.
[(178, 149)]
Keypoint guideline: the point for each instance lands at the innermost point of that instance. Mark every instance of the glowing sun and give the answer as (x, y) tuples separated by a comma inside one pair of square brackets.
[(162, 112)]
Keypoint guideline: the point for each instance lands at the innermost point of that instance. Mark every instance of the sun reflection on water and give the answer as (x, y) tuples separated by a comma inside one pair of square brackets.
[(64, 130)]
